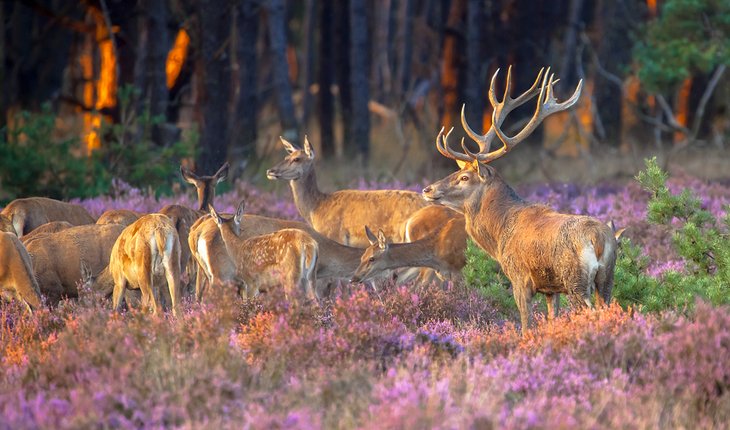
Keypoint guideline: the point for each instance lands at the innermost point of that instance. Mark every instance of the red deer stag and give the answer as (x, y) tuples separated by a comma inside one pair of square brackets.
[(539, 249), (286, 257), (29, 213), (16, 272), (341, 215)]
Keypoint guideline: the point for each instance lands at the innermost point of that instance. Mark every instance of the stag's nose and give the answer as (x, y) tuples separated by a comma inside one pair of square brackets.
[(427, 190)]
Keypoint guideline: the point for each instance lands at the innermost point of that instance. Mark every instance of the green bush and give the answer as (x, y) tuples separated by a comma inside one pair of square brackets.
[(697, 238), (484, 274), (35, 162)]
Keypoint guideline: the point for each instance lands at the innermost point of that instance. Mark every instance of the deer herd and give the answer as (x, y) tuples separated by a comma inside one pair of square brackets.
[(49, 248)]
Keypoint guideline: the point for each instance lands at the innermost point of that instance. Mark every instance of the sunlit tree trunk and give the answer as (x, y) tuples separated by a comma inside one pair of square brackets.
[(449, 63), (244, 124), (309, 49), (153, 43), (276, 21), (359, 78), (214, 91), (474, 94), (403, 49)]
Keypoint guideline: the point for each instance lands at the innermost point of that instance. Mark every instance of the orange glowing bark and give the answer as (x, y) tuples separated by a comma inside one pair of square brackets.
[(449, 70), (100, 93), (683, 107), (176, 57), (652, 5)]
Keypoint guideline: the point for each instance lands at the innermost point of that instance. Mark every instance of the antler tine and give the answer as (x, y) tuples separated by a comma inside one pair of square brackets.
[(442, 145), (546, 105)]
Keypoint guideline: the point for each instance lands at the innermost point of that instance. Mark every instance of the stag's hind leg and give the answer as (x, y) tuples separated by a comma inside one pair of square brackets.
[(522, 292), (553, 305)]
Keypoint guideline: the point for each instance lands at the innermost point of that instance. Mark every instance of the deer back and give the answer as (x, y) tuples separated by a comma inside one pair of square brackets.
[(119, 216), (57, 257), (16, 272), (49, 227), (29, 213)]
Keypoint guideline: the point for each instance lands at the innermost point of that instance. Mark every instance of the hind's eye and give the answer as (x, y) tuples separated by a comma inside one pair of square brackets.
[(371, 259)]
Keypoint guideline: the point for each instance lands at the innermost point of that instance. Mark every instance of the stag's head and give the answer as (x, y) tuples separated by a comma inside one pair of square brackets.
[(205, 185), (374, 259), (233, 223), (296, 164), (475, 174)]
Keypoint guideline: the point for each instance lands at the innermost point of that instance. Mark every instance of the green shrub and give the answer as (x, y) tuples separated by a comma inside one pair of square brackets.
[(697, 238), (33, 162), (484, 274)]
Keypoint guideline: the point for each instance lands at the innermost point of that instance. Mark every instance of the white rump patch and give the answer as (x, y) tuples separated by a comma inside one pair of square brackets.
[(205, 257), (590, 263)]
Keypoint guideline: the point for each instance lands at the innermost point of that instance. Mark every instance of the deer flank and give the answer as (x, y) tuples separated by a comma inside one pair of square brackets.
[(57, 257), (16, 272), (30, 213), (119, 216)]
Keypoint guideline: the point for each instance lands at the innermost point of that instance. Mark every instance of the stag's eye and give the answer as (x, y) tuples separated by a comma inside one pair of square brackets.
[(464, 178), (296, 160)]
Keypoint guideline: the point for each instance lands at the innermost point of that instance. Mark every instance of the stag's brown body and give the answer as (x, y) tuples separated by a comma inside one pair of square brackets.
[(145, 256), (49, 227), (539, 249), (341, 215), (57, 257), (17, 280), (32, 212)]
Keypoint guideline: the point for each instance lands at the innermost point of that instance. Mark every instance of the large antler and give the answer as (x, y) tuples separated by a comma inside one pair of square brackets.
[(546, 105)]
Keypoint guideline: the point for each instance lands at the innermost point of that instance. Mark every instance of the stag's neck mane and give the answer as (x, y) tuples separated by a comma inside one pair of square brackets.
[(490, 215), (307, 195)]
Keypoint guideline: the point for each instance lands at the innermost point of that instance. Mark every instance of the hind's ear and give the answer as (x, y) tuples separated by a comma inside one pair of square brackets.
[(382, 241), (308, 148), (371, 237), (222, 173), (188, 176), (287, 145)]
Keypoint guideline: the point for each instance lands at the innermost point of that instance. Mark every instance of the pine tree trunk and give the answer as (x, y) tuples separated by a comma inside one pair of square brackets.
[(153, 45), (244, 125), (276, 15), (403, 49), (342, 66), (474, 94), (213, 73), (359, 78), (326, 105), (3, 85), (308, 50)]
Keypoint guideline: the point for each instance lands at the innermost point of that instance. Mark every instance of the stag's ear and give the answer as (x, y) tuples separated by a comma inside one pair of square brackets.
[(222, 173), (188, 176), (460, 163), (239, 212), (287, 145), (371, 237), (308, 148), (382, 241)]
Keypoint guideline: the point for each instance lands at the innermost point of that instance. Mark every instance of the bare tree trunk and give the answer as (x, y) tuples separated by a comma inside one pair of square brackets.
[(342, 65), (244, 124), (359, 78), (325, 78), (404, 49), (380, 74), (615, 23), (449, 62), (276, 16), (3, 85), (568, 70), (213, 72), (474, 94), (308, 50)]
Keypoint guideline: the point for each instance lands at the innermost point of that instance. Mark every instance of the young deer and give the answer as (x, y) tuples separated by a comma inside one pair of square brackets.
[(340, 215), (184, 217), (287, 256), (434, 251), (145, 255), (539, 249), (57, 257), (49, 227), (27, 214), (16, 272)]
